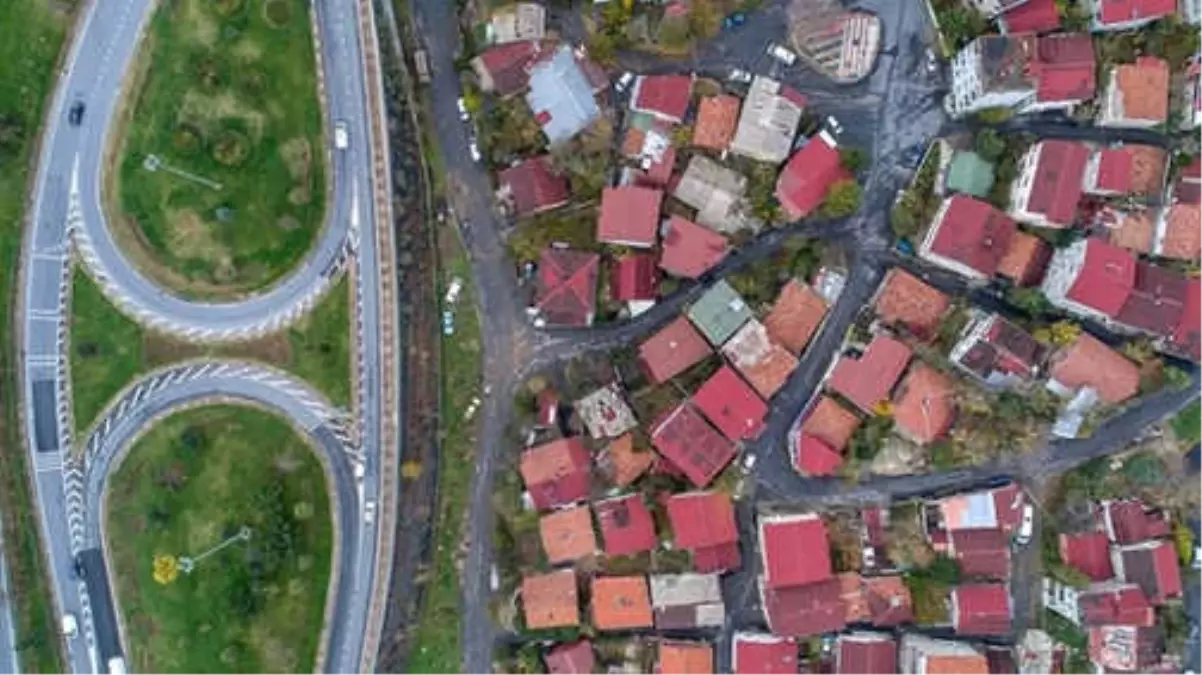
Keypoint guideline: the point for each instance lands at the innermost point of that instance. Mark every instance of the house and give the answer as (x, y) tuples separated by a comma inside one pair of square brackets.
[(664, 97), (519, 21), (997, 508), (1133, 230), (1130, 521), (690, 250), (795, 316), (1135, 170), (629, 216), (620, 603), (686, 601), (1048, 187), (800, 594), (1186, 339), (568, 535), (635, 282), (765, 364), (1091, 278), (888, 601), (717, 117), (1115, 604), (685, 658), (924, 405), (719, 313), (1089, 363), (623, 463), (531, 187), (969, 174), (1190, 12), (968, 236), (1088, 553), (561, 96), (808, 176), (1022, 72), (996, 352), (769, 121), (1026, 260), (869, 379), (673, 350), (1151, 565), (1156, 302), (565, 292), (704, 523), (905, 300), (1137, 94), (626, 525), (980, 609), (570, 658), (731, 405), (1117, 15), (816, 446), (1032, 16), (504, 69), (922, 655), (813, 456), (763, 654), (717, 194), (684, 437), (868, 653), (556, 473), (982, 553), (550, 600), (1176, 234), (605, 413), (1125, 649)]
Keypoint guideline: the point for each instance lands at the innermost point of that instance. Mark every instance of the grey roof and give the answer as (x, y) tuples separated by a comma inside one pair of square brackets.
[(719, 313), (561, 97)]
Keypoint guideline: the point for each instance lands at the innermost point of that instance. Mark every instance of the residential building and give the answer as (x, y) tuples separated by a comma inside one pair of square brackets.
[(968, 236), (1088, 553), (1091, 278), (907, 301), (795, 316), (686, 601), (764, 364), (673, 350), (731, 405), (1115, 604), (1177, 235), (565, 291), (769, 121), (922, 655), (684, 437), (996, 508), (1191, 90), (969, 174), (1025, 262), (568, 535), (717, 117), (809, 175), (690, 250), (816, 445), (1186, 339), (982, 553), (622, 463), (996, 352), (570, 658), (1032, 16), (1137, 94), (719, 313), (629, 216), (556, 473), (1151, 565), (1134, 170), (531, 187), (634, 281), (763, 654), (685, 658), (626, 525), (561, 96), (800, 594), (1133, 230), (980, 609), (1087, 363), (717, 194), (550, 600), (519, 21), (605, 413), (704, 524), (504, 69), (1156, 302), (1048, 186), (1022, 72), (887, 600), (1130, 521), (1122, 15), (924, 405), (1190, 11), (620, 603), (867, 380), (664, 97), (863, 652), (1125, 649)]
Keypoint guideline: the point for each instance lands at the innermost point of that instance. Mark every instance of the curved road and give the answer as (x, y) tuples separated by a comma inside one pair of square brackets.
[(67, 217)]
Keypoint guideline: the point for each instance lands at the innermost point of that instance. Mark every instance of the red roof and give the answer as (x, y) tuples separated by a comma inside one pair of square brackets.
[(1122, 605), (566, 292), (684, 437), (981, 552), (973, 233), (1114, 170), (795, 550), (1168, 572), (808, 176), (673, 350), (1188, 334), (866, 653), (1087, 362), (634, 278), (629, 215), (704, 523), (763, 654), (1065, 65), (925, 405), (1088, 553), (1105, 279), (556, 473), (731, 405), (1033, 16), (663, 95), (809, 609), (508, 65), (626, 525), (1129, 521), (981, 609), (1121, 11), (571, 657), (690, 250), (1056, 188), (868, 380), (533, 186), (1157, 300), (660, 171), (815, 457)]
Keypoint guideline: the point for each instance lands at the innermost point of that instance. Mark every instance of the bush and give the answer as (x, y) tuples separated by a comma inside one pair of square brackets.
[(231, 148), (989, 144), (870, 436), (854, 159), (843, 199)]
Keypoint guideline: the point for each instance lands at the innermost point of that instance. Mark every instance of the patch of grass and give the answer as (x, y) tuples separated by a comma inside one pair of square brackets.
[(31, 37), (232, 97), (436, 646), (109, 350), (577, 229), (194, 480), (1187, 425)]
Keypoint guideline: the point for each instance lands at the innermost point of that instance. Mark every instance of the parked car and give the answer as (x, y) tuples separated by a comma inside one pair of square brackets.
[(624, 82), (369, 512), (734, 20), (463, 113), (834, 126), (75, 115), (448, 322), (474, 148), (905, 247), (81, 571), (342, 137), (1026, 527), (738, 75), (453, 290), (932, 61), (782, 54), (70, 627)]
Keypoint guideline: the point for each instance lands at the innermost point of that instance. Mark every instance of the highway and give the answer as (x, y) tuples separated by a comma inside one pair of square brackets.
[(68, 225)]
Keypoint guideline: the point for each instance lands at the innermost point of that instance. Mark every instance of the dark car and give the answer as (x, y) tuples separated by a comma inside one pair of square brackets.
[(734, 20), (81, 570), (75, 116)]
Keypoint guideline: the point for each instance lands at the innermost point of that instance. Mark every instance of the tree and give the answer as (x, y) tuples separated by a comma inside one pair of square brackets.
[(853, 158), (989, 144), (166, 569), (1031, 301), (904, 217), (843, 199)]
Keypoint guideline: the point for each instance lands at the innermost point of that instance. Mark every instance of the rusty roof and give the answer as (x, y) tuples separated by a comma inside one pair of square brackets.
[(621, 603), (798, 312), (568, 535), (905, 299), (550, 600)]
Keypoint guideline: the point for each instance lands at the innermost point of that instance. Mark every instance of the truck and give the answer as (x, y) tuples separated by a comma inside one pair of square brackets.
[(422, 65)]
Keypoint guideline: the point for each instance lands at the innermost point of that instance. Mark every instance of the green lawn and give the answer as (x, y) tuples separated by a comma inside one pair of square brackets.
[(436, 645), (109, 350), (31, 36), (228, 93), (193, 480)]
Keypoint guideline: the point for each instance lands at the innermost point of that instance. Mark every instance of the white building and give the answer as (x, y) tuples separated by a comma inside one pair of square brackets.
[(1022, 72), (1191, 94), (769, 120)]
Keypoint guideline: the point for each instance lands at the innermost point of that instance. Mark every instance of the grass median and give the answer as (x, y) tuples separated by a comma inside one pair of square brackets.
[(31, 37), (436, 647), (226, 100), (190, 484), (109, 350)]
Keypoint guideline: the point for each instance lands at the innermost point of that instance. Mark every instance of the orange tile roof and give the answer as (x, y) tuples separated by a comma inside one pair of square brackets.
[(924, 406), (1024, 261), (1089, 363), (568, 535), (625, 464), (717, 117), (795, 316), (1148, 164), (1134, 232), (764, 364), (1144, 88), (1182, 236), (831, 423), (621, 603), (550, 600), (632, 144), (854, 604), (957, 665), (685, 658), (906, 299)]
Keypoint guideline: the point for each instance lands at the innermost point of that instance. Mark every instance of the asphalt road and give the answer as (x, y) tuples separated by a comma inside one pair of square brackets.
[(68, 215)]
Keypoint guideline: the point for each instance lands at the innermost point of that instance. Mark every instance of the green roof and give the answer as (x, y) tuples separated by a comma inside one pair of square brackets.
[(969, 174), (719, 313)]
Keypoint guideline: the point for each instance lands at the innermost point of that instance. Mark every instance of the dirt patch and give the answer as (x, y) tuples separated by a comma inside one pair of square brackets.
[(298, 157), (277, 13), (207, 111), (287, 223), (299, 196), (898, 458), (191, 237), (247, 50), (160, 349)]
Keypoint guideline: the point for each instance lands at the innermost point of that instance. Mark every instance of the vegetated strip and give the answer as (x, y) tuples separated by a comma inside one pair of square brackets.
[(31, 39)]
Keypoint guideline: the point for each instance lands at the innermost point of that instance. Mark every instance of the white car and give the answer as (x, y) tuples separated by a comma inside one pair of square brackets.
[(369, 513), (739, 75), (782, 54), (932, 61), (463, 113), (624, 82), (453, 290), (69, 626), (1026, 527), (834, 126), (474, 148), (342, 136)]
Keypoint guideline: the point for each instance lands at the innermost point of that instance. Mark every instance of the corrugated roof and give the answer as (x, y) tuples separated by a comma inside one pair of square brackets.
[(719, 312)]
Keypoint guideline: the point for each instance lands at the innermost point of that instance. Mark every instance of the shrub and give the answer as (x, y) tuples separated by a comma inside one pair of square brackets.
[(843, 199)]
